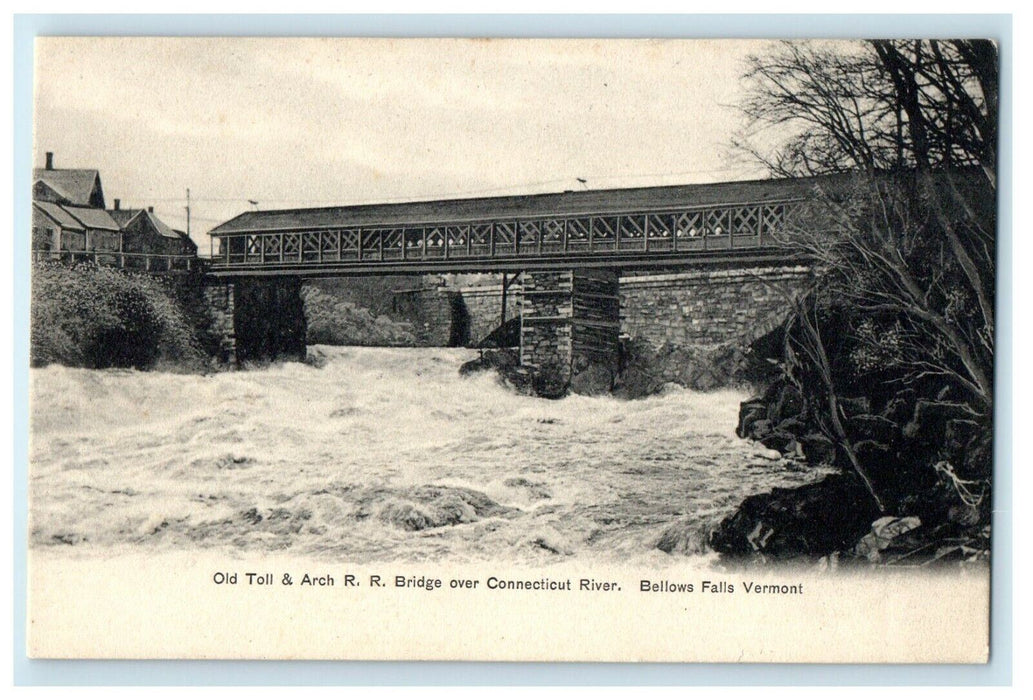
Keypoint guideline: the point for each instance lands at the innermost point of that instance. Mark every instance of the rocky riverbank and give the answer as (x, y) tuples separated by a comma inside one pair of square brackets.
[(907, 448), (642, 370)]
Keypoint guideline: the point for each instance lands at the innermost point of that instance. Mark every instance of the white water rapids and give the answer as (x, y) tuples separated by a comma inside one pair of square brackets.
[(379, 455)]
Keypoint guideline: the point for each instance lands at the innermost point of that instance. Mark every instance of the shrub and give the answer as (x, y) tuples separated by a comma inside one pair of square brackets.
[(96, 317), (333, 319)]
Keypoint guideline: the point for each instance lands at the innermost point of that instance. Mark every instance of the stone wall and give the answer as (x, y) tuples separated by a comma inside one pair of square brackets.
[(569, 320), (483, 306), (694, 308), (456, 316), (436, 315), (707, 307)]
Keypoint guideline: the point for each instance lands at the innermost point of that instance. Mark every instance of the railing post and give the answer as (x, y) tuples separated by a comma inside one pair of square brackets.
[(591, 234), (645, 232), (491, 240)]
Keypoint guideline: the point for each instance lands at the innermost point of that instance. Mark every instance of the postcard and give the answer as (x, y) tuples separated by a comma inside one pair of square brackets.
[(512, 349)]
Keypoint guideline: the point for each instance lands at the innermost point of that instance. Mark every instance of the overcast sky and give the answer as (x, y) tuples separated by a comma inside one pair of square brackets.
[(317, 122)]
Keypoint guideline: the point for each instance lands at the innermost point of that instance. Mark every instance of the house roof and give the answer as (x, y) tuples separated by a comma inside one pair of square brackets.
[(162, 228), (183, 235), (42, 190), (93, 218), (124, 216), (59, 215), (570, 203), (75, 185)]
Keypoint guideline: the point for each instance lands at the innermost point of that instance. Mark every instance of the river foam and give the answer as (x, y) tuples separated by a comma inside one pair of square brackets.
[(379, 455)]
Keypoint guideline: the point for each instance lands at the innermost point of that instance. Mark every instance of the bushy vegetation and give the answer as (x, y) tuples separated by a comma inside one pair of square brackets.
[(335, 319), (97, 317)]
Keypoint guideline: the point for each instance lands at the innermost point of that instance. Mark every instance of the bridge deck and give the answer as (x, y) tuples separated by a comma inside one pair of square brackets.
[(660, 237)]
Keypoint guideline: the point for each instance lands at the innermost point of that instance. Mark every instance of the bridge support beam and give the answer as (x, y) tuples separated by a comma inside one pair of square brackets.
[(570, 323)]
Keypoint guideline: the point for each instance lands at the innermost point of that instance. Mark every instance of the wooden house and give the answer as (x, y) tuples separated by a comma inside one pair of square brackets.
[(72, 186), (62, 229), (143, 232), (69, 220)]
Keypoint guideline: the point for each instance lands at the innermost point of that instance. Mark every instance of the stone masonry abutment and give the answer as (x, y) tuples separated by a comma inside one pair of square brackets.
[(569, 319), (569, 322), (258, 320), (707, 307)]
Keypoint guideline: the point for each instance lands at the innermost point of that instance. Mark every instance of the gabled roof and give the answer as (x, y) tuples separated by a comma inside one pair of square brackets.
[(183, 235), (163, 228), (61, 217), (48, 192), (93, 218), (75, 185), (571, 203), (125, 216)]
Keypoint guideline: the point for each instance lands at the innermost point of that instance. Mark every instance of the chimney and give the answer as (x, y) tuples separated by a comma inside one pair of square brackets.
[(118, 204), (150, 210), (50, 160)]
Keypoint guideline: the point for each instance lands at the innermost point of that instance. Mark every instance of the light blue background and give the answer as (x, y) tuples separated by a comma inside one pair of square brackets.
[(49, 672)]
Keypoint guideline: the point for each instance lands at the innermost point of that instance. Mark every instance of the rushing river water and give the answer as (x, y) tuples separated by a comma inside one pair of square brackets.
[(380, 455)]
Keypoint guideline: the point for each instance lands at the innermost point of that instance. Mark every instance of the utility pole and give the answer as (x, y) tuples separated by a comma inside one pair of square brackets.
[(188, 212)]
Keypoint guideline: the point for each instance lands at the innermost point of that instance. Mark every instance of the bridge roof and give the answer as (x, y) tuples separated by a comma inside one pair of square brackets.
[(570, 203)]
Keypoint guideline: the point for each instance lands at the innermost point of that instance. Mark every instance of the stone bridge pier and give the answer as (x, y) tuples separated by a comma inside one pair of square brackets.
[(569, 329), (257, 319)]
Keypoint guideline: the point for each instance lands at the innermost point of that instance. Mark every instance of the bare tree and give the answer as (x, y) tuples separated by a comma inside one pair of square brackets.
[(907, 239)]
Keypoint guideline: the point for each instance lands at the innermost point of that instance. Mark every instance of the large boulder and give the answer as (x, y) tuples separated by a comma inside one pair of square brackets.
[(636, 383), (817, 448), (778, 419), (594, 380), (499, 360), (809, 521), (885, 532), (750, 412)]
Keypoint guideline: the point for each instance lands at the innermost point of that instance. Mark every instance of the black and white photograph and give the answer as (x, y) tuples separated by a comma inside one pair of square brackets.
[(593, 349)]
